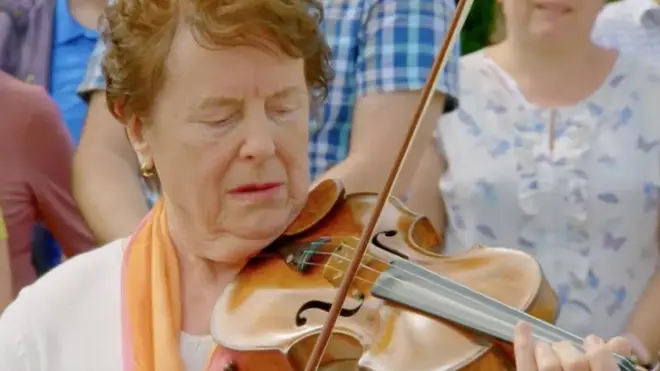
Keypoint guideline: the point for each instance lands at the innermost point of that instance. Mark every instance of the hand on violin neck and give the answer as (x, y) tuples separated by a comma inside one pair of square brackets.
[(598, 355)]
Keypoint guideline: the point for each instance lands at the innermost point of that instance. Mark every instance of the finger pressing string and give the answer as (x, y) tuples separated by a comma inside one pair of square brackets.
[(523, 346), (571, 358), (598, 355)]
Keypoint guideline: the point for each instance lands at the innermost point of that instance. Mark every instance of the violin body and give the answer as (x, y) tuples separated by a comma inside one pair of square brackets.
[(270, 316)]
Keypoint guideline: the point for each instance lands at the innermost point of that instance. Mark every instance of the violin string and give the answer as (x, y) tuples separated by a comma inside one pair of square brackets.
[(376, 284), (548, 338)]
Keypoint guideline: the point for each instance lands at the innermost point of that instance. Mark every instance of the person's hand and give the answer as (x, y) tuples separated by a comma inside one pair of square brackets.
[(563, 356)]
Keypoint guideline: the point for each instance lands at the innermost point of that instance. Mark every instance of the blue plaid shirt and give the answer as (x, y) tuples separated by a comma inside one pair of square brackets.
[(378, 46)]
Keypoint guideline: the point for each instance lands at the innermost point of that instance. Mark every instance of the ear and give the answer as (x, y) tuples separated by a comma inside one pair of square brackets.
[(135, 131)]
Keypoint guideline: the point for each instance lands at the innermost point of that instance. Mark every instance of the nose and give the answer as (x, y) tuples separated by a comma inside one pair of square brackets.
[(259, 144)]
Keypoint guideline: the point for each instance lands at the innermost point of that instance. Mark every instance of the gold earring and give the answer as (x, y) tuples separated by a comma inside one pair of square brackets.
[(146, 170)]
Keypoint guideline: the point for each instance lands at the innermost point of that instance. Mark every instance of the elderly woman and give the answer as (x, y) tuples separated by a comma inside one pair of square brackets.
[(554, 151), (216, 98)]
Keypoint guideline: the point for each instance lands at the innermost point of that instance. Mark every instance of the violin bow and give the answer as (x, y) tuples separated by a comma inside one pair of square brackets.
[(458, 20)]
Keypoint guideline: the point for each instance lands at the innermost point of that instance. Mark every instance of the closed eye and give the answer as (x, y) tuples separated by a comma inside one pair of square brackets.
[(282, 111), (221, 121)]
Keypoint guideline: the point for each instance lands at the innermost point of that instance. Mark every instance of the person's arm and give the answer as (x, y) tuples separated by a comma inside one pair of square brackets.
[(106, 184), (424, 196), (6, 289), (388, 94), (49, 151)]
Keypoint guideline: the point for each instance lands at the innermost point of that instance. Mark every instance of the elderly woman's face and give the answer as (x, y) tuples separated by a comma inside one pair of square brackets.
[(229, 140)]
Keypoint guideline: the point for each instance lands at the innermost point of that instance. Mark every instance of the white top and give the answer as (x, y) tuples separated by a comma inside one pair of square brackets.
[(588, 211), (631, 26), (69, 320)]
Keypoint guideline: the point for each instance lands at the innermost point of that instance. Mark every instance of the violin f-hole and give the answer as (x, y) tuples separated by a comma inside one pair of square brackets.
[(389, 233), (325, 306)]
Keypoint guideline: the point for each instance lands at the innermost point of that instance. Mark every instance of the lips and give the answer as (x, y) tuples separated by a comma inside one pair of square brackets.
[(554, 7), (254, 187)]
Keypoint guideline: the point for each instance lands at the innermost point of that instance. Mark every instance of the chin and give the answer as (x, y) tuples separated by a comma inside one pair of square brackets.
[(266, 226), (549, 33), (263, 232)]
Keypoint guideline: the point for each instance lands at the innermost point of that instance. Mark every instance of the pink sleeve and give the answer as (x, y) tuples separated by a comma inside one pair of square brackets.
[(50, 150)]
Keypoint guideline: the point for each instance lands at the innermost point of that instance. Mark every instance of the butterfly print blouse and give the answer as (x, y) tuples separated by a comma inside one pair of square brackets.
[(587, 210)]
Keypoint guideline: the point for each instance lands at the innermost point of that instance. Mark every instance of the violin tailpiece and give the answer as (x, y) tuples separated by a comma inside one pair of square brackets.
[(302, 256)]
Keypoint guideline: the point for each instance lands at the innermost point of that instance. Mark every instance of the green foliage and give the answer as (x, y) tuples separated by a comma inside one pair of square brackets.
[(478, 25)]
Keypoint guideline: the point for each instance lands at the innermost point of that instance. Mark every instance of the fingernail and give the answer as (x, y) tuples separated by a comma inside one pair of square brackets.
[(523, 328)]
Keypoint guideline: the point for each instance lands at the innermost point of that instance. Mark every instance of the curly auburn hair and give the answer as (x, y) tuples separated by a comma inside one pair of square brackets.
[(138, 35)]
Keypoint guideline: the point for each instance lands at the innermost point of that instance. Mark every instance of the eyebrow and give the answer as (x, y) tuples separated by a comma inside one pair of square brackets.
[(217, 101), (286, 92), (223, 101)]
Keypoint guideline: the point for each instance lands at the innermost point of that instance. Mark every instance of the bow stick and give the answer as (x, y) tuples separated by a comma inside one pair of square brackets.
[(458, 20)]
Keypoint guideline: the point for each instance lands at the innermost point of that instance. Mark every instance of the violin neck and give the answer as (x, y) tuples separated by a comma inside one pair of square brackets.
[(407, 284)]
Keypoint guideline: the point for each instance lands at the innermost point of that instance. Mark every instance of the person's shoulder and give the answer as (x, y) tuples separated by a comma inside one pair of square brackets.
[(476, 57), (612, 8), (643, 73), (71, 286), (25, 105), (473, 67), (25, 97), (13, 88), (77, 300), (635, 84), (614, 18), (79, 272)]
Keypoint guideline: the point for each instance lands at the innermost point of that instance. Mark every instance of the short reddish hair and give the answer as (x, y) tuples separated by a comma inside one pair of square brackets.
[(138, 35)]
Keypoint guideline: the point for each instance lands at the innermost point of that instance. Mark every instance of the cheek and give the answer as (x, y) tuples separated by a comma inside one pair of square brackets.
[(293, 148), (211, 174), (193, 166)]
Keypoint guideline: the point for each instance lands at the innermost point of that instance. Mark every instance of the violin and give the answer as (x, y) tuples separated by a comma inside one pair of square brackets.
[(354, 284), (408, 308)]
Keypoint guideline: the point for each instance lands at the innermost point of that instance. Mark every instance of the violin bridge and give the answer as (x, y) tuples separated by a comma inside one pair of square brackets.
[(338, 263)]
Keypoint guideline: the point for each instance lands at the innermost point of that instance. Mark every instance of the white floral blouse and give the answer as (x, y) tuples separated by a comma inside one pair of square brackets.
[(587, 210)]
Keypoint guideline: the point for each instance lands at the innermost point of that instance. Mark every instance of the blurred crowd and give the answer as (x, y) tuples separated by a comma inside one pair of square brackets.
[(546, 141)]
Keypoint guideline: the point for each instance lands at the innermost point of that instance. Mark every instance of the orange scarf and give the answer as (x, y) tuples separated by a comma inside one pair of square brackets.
[(151, 303)]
